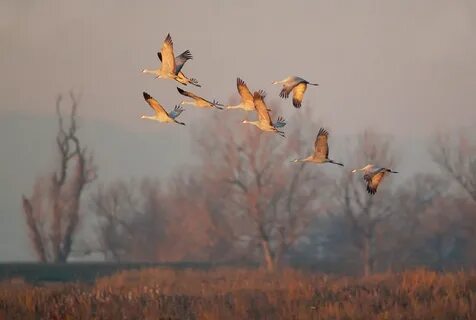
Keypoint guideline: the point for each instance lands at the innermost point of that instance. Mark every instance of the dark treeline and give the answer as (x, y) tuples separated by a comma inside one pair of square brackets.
[(243, 200)]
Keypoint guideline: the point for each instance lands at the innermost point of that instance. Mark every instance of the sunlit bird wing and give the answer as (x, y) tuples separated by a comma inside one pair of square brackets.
[(167, 53), (154, 104), (373, 181), (179, 60), (261, 108), (298, 94), (321, 148), (244, 92), (189, 94)]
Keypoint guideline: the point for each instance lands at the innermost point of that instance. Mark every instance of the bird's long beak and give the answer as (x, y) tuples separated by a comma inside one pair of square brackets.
[(354, 171)]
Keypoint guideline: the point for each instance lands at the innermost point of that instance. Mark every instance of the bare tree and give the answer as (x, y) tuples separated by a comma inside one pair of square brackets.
[(273, 199), (365, 213), (53, 211), (406, 232), (131, 221), (457, 157)]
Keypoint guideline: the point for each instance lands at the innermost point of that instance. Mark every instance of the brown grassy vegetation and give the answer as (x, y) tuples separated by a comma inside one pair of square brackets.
[(246, 294)]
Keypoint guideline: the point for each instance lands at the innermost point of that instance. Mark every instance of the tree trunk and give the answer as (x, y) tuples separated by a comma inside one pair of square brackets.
[(268, 256), (367, 257)]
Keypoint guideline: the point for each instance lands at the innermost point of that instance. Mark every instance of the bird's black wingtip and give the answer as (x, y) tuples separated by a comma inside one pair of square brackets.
[(371, 190), (296, 103), (187, 54), (323, 132), (180, 90), (146, 95)]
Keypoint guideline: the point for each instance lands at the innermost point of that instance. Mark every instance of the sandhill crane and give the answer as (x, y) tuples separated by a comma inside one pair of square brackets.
[(179, 62), (160, 114), (167, 69), (246, 102), (264, 120), (297, 85), (321, 150), (199, 101), (373, 175)]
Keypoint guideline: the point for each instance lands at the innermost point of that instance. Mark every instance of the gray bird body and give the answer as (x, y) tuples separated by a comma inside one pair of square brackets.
[(297, 85)]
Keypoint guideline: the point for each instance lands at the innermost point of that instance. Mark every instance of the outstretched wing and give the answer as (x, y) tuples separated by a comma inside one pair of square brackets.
[(261, 108), (167, 53), (321, 148), (176, 112), (373, 181), (286, 90), (244, 92), (154, 104), (188, 94), (181, 59), (298, 94)]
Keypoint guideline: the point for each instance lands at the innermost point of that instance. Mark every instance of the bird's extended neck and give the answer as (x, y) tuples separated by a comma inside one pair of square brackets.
[(255, 123), (280, 81), (154, 72), (188, 102), (307, 159), (238, 106), (149, 117)]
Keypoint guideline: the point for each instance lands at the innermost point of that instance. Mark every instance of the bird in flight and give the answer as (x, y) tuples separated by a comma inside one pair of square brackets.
[(246, 102), (199, 101), (321, 150), (160, 114), (264, 120), (297, 85), (179, 63), (373, 175), (168, 68)]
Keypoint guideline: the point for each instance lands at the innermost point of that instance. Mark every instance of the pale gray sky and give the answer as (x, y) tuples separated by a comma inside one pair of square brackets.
[(407, 67)]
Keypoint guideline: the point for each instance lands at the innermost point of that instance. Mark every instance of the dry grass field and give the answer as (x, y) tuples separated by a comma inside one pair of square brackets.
[(245, 294)]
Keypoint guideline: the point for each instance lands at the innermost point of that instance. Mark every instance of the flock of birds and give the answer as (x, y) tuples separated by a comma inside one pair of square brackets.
[(171, 68)]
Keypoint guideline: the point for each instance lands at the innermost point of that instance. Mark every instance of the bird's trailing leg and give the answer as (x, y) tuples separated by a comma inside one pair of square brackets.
[(195, 82), (217, 105), (337, 163)]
